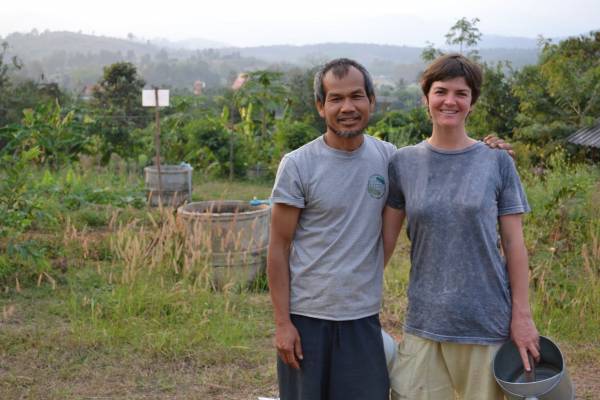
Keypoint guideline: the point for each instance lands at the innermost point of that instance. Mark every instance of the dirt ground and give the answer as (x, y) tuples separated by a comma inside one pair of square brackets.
[(41, 358), (31, 375)]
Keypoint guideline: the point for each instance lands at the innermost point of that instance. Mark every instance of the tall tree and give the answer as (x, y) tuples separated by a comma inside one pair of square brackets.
[(6, 65), (430, 53), (258, 101), (465, 34), (118, 109), (302, 99), (497, 108), (561, 93), (572, 69)]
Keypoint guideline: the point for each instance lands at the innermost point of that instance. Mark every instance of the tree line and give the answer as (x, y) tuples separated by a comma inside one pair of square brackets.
[(227, 132)]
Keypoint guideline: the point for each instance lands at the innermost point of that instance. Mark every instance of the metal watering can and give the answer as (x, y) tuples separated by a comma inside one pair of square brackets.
[(548, 380), (390, 347)]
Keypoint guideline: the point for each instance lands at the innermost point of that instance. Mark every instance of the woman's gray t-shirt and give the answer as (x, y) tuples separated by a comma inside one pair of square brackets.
[(459, 289)]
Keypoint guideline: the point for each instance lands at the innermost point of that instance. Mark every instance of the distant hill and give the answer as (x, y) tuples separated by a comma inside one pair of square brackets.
[(31, 46), (316, 53), (189, 44), (387, 62), (507, 42), (370, 54), (75, 60)]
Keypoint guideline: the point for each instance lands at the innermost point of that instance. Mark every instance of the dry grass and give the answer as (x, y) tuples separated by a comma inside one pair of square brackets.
[(44, 357), (134, 314)]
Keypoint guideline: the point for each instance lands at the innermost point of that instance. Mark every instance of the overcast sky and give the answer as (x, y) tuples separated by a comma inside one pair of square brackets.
[(267, 22)]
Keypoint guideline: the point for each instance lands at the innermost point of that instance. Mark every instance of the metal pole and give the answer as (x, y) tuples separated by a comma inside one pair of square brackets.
[(157, 145)]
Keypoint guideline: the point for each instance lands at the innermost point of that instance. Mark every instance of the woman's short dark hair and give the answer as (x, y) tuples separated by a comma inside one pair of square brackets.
[(450, 66), (340, 67)]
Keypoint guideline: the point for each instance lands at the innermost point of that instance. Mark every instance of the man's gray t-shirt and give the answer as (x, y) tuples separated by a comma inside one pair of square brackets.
[(336, 259), (459, 288)]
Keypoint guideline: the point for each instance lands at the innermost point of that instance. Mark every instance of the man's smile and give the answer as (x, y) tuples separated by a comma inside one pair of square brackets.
[(349, 119)]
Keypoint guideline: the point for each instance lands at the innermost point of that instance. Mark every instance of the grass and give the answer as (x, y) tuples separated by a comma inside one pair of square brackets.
[(155, 334), (132, 314), (230, 190), (52, 362)]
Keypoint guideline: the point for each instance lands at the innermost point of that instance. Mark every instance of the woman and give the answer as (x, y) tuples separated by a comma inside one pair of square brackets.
[(464, 299)]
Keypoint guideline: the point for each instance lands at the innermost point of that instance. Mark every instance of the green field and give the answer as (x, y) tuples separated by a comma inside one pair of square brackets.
[(101, 298)]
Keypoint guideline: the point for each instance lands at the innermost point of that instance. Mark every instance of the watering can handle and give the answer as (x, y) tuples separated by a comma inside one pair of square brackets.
[(530, 375)]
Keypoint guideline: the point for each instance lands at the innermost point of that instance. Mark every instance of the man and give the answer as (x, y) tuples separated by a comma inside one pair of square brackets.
[(325, 259)]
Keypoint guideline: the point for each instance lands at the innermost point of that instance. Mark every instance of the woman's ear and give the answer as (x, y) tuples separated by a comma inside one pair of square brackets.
[(425, 103)]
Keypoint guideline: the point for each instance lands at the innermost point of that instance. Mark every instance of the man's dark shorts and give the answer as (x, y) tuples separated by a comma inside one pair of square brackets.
[(343, 360)]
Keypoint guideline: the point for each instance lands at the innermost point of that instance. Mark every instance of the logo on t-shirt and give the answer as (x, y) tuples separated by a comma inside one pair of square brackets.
[(376, 186)]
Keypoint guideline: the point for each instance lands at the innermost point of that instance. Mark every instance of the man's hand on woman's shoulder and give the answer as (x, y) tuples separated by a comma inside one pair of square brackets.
[(495, 142)]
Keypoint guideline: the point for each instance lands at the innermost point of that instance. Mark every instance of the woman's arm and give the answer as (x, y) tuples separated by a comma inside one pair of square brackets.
[(393, 219), (522, 327)]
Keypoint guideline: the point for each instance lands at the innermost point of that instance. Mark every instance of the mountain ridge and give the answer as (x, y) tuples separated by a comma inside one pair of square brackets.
[(74, 59)]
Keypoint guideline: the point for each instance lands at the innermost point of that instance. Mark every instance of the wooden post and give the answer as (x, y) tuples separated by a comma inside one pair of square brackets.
[(157, 145), (231, 158)]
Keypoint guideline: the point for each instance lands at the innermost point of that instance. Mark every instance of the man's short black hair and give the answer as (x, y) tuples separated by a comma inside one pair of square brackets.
[(340, 67)]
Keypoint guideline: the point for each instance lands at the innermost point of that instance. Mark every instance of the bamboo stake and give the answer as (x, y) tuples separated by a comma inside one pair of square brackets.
[(157, 145)]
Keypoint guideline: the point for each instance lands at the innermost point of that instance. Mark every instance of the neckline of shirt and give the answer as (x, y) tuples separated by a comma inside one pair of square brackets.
[(344, 153), (467, 149)]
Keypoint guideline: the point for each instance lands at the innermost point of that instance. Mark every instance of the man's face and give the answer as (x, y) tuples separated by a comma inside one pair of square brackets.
[(346, 108)]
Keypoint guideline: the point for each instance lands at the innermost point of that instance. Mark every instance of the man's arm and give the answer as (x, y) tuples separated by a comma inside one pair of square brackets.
[(392, 224), (522, 327), (284, 220)]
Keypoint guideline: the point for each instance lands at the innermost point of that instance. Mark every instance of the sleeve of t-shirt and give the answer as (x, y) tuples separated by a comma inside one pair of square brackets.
[(512, 198), (395, 194), (391, 149), (288, 185)]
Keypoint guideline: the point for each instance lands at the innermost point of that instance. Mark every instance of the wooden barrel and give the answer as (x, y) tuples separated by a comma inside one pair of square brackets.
[(233, 235), (175, 185)]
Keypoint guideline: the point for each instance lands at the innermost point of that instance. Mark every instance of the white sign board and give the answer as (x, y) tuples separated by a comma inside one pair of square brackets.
[(149, 98)]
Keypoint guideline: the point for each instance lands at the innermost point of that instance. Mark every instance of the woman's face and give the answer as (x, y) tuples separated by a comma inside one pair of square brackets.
[(449, 102)]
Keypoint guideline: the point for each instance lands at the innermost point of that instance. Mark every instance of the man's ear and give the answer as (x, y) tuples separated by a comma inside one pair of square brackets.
[(372, 104), (320, 108)]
